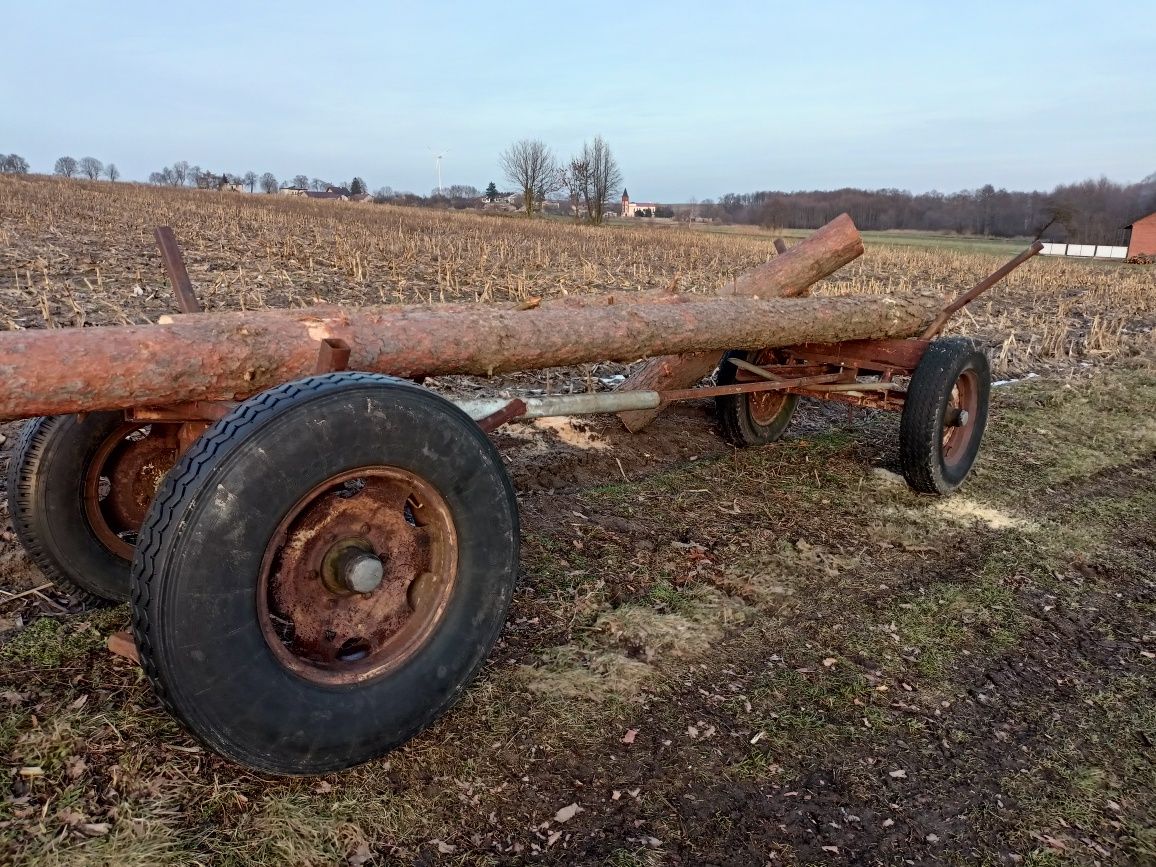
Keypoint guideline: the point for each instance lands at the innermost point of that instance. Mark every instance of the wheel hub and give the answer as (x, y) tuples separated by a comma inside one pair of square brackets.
[(358, 575), (349, 567), (122, 480), (765, 406), (959, 417)]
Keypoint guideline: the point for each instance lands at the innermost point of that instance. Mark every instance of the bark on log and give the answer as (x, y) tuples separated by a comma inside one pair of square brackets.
[(788, 275), (227, 356)]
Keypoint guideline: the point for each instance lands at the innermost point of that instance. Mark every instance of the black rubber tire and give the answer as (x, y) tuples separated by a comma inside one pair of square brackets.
[(733, 411), (198, 564), (921, 429), (46, 498)]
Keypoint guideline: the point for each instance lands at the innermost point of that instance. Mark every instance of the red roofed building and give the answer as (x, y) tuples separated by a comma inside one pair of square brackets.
[(1141, 236)]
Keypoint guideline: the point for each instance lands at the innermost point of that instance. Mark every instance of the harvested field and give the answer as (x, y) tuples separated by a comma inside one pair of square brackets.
[(775, 655)]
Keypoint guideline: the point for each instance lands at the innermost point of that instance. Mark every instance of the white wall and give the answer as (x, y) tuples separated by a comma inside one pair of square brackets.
[(1085, 251)]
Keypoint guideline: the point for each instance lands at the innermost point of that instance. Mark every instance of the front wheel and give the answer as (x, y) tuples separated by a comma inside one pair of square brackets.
[(324, 571), (944, 416)]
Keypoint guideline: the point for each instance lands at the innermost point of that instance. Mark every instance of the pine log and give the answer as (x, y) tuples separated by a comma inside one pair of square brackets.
[(230, 356), (789, 274)]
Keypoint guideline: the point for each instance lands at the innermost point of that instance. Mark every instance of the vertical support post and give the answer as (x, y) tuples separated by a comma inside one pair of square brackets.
[(175, 268), (333, 355)]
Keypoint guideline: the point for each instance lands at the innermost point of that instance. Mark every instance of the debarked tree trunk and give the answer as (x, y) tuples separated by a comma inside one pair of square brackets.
[(228, 356)]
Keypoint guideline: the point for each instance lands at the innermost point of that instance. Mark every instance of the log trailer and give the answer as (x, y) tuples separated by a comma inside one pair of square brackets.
[(320, 552)]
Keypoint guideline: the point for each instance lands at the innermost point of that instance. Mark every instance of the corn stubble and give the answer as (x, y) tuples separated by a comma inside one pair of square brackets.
[(78, 253)]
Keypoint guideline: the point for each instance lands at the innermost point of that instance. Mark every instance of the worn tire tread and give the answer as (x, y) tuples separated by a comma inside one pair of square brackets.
[(174, 491), (22, 467)]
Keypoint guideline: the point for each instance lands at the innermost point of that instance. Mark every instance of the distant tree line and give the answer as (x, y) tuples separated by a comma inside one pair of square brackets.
[(182, 174), (1091, 212)]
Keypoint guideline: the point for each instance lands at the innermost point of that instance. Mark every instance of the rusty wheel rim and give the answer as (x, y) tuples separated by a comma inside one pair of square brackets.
[(959, 417), (122, 478), (319, 627), (764, 406)]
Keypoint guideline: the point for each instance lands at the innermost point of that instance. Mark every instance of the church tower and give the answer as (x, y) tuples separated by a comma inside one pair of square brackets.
[(625, 202)]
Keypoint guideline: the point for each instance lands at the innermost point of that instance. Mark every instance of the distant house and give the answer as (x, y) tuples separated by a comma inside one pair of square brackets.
[(630, 209), (293, 191), (1140, 236), (229, 187), (327, 194), (499, 204)]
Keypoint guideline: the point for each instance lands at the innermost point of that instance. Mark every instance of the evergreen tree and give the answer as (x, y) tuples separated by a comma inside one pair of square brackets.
[(492, 191), (357, 186)]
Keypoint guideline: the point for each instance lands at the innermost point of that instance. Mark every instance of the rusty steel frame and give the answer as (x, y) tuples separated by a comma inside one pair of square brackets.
[(174, 264), (978, 289)]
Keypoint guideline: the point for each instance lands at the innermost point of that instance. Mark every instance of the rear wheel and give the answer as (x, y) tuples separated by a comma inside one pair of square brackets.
[(944, 416), (757, 417), (324, 572), (78, 488)]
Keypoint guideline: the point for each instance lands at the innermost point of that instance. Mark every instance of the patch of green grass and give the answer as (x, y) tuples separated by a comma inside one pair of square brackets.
[(665, 595), (637, 857), (138, 843), (1099, 776), (944, 620), (1042, 437), (52, 641), (802, 711)]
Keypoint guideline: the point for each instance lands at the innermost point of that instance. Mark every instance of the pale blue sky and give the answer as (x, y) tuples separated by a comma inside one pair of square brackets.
[(695, 98)]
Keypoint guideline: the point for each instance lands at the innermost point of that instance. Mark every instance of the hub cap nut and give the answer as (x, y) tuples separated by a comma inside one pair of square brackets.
[(360, 571)]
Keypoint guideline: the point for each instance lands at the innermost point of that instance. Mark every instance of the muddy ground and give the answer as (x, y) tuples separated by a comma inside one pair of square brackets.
[(775, 655)]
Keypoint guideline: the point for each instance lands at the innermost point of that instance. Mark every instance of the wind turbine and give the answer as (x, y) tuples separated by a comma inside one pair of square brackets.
[(438, 156)]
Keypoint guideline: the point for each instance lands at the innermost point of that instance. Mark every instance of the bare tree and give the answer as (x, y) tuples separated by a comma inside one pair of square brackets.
[(596, 174), (112, 172), (203, 179), (250, 180), (576, 180), (269, 182), (166, 177), (181, 173), (461, 191), (65, 167), (530, 165), (301, 182), (91, 168), (13, 164)]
